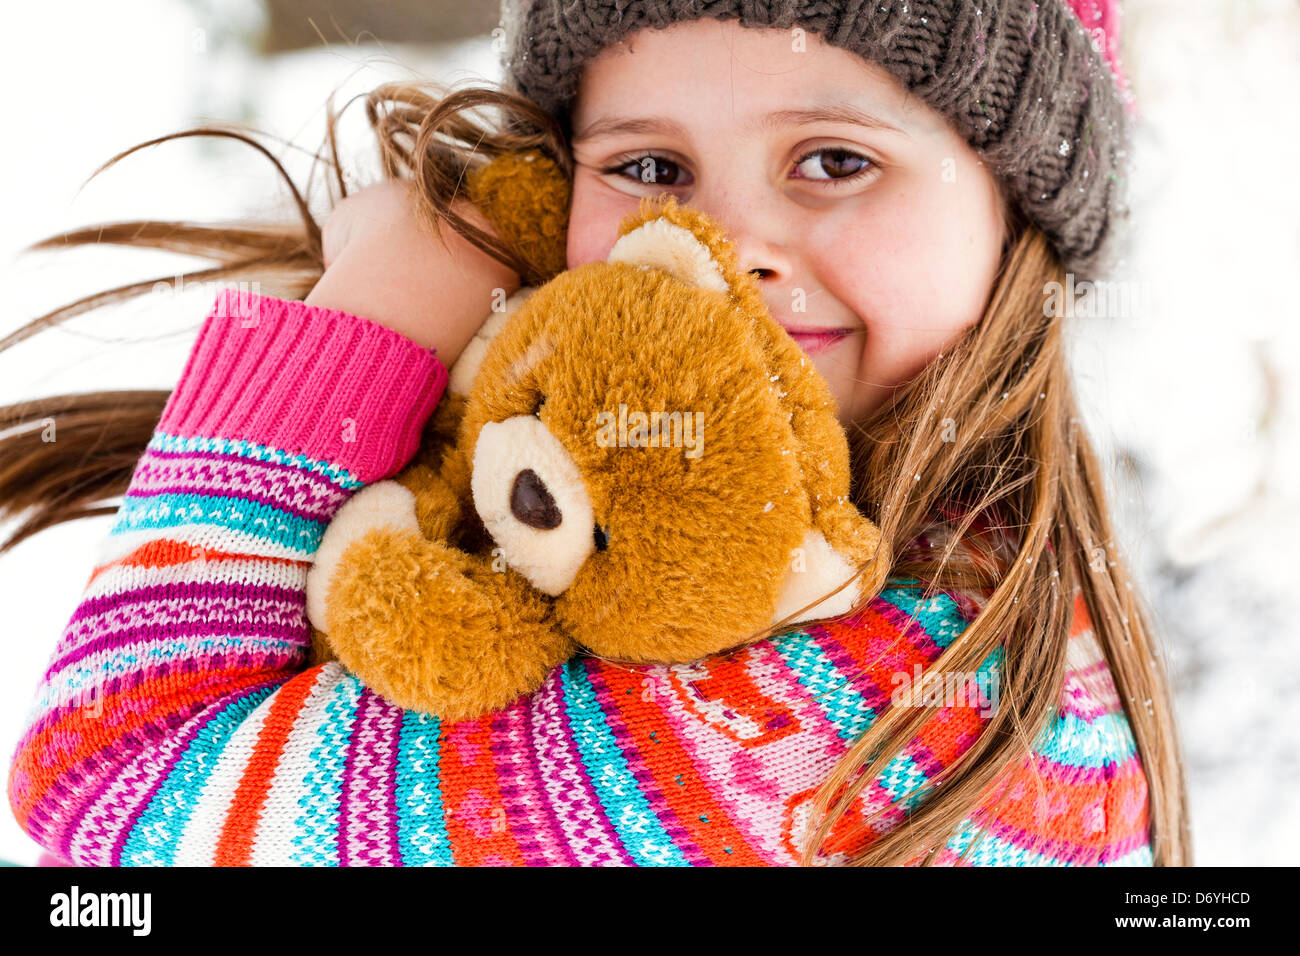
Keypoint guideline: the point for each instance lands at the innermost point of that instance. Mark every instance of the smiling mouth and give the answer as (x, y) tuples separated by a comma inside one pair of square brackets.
[(813, 341)]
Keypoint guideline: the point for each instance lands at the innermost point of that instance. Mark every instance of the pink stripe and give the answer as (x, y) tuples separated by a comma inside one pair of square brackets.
[(589, 834), (519, 785), (368, 834), (1060, 773), (189, 600), (1066, 851), (536, 785), (288, 488), (136, 623)]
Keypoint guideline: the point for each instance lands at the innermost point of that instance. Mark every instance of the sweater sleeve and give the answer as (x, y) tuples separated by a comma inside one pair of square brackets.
[(178, 723)]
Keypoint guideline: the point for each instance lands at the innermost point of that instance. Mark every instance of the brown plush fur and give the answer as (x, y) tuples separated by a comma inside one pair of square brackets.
[(698, 547)]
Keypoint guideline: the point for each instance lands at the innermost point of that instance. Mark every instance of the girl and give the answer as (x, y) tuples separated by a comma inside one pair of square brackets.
[(906, 182)]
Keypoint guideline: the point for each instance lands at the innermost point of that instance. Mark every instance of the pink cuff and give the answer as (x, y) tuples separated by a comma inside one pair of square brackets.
[(309, 381)]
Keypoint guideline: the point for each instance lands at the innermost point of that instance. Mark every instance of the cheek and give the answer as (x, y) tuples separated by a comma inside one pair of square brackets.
[(594, 216), (916, 267)]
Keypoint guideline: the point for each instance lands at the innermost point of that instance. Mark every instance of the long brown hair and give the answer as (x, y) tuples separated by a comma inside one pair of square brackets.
[(992, 423)]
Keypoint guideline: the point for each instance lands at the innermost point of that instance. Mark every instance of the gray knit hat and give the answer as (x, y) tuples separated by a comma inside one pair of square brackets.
[(1026, 82)]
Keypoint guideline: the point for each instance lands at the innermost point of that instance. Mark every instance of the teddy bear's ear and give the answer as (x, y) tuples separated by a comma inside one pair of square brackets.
[(526, 196), (683, 242), (664, 245)]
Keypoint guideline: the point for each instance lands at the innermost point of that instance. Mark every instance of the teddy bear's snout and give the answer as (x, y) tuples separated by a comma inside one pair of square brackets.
[(531, 497), (532, 504)]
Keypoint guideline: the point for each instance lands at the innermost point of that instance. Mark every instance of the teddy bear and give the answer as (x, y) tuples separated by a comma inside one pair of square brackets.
[(633, 460)]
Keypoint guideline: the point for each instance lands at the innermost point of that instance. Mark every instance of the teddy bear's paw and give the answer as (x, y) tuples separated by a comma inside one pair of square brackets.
[(816, 569), (435, 630), (383, 504), (465, 369)]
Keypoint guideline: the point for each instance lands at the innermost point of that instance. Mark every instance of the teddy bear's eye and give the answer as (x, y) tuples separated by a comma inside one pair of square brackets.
[(537, 407), (601, 537)]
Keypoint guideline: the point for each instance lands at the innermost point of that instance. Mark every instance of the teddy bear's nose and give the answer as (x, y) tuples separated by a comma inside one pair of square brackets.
[(531, 503)]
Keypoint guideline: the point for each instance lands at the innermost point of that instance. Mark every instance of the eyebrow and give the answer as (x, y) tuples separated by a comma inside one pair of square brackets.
[(830, 113)]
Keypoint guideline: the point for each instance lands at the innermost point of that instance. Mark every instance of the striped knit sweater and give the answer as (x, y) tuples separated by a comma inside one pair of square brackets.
[(178, 722)]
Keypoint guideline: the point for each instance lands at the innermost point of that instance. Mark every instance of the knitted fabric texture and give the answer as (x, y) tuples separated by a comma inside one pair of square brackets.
[(178, 723), (1032, 85)]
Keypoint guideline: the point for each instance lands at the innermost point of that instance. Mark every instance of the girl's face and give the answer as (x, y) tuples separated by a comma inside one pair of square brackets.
[(873, 228)]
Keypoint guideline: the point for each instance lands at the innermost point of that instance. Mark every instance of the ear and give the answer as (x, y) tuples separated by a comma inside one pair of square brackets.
[(816, 569), (526, 197), (686, 244), (383, 504), (841, 541), (660, 244)]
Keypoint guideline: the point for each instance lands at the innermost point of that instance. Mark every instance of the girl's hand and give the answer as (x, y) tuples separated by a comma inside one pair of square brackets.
[(383, 264)]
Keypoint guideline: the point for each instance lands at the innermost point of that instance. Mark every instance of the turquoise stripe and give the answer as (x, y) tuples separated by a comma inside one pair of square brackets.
[(834, 692), (230, 512), (844, 707), (626, 807), (317, 840), (164, 441), (155, 836), (421, 816), (900, 776), (72, 683), (1073, 742), (938, 616), (994, 850)]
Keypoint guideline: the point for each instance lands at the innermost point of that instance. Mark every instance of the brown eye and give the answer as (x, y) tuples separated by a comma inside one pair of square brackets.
[(648, 169), (834, 166), (537, 407)]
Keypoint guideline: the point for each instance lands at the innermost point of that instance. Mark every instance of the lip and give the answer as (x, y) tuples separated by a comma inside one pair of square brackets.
[(812, 338)]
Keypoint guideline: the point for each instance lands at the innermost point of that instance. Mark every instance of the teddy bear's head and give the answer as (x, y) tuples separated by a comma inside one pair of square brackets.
[(646, 445)]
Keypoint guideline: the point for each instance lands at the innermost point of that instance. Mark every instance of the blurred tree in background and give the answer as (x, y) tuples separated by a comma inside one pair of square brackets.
[(295, 24)]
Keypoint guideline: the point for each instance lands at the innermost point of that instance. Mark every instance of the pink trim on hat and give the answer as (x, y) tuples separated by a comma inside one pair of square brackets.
[(1101, 19)]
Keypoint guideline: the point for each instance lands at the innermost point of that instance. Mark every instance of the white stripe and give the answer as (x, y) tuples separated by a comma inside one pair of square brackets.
[(278, 826), (198, 844), (1082, 651), (119, 544), (254, 570)]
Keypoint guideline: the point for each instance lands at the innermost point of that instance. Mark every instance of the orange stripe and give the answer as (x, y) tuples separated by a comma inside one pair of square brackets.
[(674, 772), (235, 847), (950, 732), (83, 732), (1056, 810), (167, 552), (1081, 621)]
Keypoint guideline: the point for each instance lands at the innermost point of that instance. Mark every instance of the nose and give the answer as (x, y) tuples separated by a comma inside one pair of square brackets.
[(749, 216), (532, 503), (532, 499)]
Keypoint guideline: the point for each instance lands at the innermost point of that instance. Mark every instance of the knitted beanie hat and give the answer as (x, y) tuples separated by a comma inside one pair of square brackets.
[(1034, 86)]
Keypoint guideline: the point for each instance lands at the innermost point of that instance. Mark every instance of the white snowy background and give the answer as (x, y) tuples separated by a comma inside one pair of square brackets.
[(1193, 398)]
